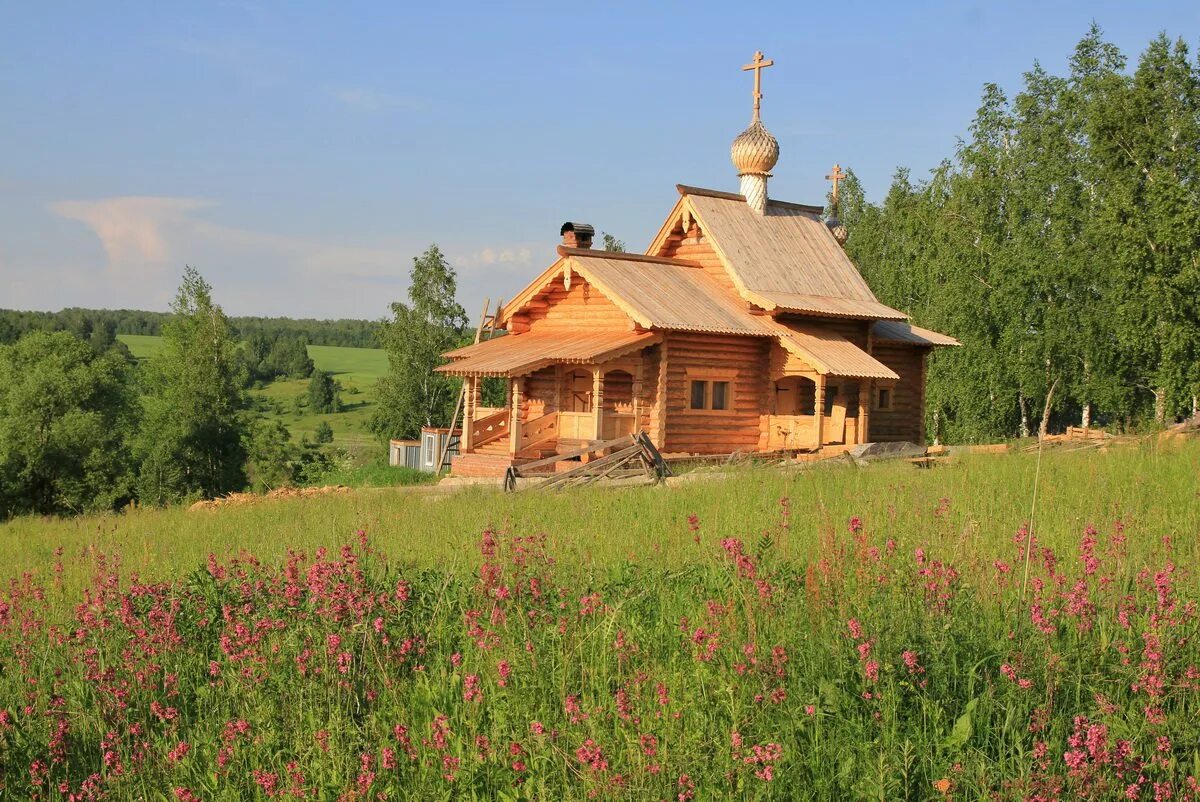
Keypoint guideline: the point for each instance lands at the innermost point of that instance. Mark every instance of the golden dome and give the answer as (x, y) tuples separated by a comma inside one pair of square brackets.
[(754, 151)]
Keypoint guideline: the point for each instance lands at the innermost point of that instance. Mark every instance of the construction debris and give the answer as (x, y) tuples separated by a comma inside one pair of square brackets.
[(242, 499), (626, 458)]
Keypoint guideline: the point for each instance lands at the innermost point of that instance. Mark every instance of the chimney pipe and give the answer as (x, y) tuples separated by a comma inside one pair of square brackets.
[(577, 235)]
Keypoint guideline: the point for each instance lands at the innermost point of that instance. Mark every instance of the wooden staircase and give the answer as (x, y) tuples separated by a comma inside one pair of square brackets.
[(493, 459)]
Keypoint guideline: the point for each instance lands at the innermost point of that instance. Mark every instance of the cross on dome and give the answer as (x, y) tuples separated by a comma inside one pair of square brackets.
[(836, 176), (758, 65)]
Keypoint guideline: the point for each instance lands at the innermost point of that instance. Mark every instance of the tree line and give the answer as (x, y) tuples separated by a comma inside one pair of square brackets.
[(1060, 244), (86, 428), (101, 323)]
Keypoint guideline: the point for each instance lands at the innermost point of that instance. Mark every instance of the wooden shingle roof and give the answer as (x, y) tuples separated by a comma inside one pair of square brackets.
[(786, 259), (665, 294), (890, 331), (522, 354), (829, 352)]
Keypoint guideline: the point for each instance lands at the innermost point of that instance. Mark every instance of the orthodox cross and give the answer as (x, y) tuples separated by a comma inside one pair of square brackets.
[(836, 176), (758, 66)]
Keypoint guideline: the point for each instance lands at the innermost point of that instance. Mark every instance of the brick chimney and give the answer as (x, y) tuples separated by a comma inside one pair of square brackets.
[(577, 235)]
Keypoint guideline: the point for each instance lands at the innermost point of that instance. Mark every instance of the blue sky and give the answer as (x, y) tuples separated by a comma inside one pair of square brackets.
[(301, 154)]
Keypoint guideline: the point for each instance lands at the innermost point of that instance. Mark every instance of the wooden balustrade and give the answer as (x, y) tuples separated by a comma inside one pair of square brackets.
[(490, 428), (539, 430)]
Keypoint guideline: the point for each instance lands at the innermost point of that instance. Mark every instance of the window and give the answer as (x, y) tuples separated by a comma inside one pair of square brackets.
[(883, 398), (720, 395), (709, 394), (429, 444)]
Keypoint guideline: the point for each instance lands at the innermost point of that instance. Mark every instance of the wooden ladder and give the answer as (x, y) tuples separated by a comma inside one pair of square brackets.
[(487, 326)]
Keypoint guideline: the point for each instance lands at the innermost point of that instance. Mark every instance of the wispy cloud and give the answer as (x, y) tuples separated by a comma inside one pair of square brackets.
[(372, 101), (131, 229), (148, 231), (502, 255), (251, 62)]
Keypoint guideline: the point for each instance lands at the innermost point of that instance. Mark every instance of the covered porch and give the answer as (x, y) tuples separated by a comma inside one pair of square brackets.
[(822, 390), (563, 392)]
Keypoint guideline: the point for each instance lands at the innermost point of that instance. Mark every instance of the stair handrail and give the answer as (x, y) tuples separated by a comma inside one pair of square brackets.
[(492, 427)]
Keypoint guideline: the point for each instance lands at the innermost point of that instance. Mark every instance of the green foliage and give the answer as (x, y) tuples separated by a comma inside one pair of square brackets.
[(324, 433), (65, 415), (323, 393), (411, 395), (268, 358), (611, 243), (1059, 245), (191, 444), (269, 454)]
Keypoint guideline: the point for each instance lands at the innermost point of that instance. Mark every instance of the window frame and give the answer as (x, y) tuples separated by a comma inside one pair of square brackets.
[(880, 394), (709, 378)]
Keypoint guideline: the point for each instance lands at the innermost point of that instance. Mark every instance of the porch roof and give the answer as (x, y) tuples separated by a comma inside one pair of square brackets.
[(830, 353), (890, 331), (522, 354)]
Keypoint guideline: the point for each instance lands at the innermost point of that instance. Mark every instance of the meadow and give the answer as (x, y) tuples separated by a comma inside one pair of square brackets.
[(833, 632), (355, 369)]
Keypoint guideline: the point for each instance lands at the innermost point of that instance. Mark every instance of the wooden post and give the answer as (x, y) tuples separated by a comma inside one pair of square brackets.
[(514, 425), (820, 410), (470, 399), (598, 401), (639, 376), (658, 411), (864, 409), (921, 401)]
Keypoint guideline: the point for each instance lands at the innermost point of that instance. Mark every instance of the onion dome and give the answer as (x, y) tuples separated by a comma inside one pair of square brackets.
[(837, 229), (754, 151)]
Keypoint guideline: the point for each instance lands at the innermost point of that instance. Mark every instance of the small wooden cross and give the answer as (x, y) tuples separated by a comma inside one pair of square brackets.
[(758, 66), (836, 176)]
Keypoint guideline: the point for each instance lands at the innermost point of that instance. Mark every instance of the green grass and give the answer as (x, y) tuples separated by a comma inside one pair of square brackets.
[(828, 633), (356, 369)]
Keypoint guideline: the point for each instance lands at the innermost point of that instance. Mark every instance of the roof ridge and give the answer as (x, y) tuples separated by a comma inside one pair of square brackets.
[(685, 189), (628, 257)]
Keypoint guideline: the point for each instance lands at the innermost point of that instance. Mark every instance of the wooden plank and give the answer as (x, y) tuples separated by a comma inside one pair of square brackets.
[(622, 455), (621, 442)]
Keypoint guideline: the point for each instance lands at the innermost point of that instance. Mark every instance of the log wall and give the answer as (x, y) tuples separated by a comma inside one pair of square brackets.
[(559, 308), (714, 432), (906, 419), (694, 246)]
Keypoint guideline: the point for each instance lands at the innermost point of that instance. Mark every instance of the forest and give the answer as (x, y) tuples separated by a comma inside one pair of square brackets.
[(105, 324), (1060, 244)]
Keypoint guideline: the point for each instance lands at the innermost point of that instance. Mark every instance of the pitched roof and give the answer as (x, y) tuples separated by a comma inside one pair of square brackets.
[(665, 294), (890, 331), (786, 259), (830, 353), (522, 354)]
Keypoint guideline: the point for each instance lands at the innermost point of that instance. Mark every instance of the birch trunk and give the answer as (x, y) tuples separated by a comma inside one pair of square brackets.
[(1160, 406), (1086, 420), (1023, 403), (1046, 411)]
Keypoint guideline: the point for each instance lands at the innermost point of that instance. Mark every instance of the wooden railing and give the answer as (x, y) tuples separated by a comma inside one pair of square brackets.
[(489, 428), (790, 431), (539, 430)]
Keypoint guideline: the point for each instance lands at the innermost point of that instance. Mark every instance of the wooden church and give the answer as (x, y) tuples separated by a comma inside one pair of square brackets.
[(744, 328)]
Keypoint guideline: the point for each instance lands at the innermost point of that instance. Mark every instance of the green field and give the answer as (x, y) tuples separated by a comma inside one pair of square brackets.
[(767, 634), (141, 345), (356, 369)]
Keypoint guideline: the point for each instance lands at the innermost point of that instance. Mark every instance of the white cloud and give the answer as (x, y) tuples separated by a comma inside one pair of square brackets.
[(133, 230)]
